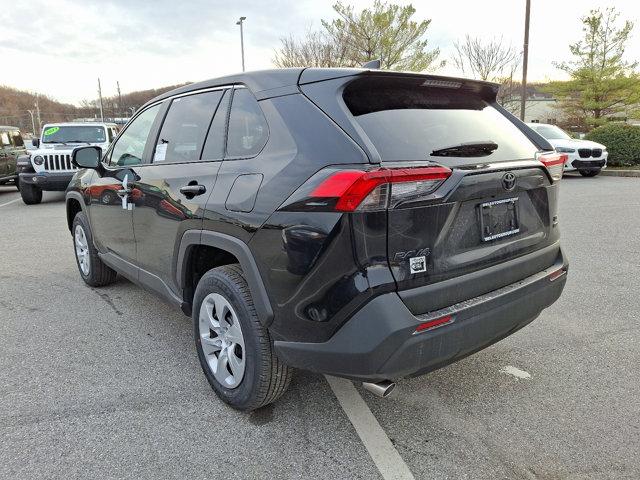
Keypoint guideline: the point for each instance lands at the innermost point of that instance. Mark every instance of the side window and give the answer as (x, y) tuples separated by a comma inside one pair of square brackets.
[(129, 148), (110, 132), (248, 129), (4, 139), (214, 145), (16, 139), (185, 127)]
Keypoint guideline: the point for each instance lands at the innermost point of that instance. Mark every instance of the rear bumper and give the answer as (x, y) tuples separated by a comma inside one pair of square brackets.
[(50, 181), (379, 343)]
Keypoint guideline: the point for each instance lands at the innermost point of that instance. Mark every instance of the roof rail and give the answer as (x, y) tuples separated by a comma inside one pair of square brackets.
[(373, 64)]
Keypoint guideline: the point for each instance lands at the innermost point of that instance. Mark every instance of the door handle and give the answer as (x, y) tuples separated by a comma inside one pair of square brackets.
[(193, 190)]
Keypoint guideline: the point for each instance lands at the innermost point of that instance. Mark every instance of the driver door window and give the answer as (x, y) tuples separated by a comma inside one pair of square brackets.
[(185, 127), (129, 148)]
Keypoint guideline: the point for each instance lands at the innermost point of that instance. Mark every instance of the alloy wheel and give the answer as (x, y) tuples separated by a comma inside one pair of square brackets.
[(82, 250), (222, 340)]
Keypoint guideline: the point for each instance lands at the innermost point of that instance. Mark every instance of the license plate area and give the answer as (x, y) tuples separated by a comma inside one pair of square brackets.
[(499, 219)]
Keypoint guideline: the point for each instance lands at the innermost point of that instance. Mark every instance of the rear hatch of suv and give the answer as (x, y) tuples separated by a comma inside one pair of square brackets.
[(470, 201)]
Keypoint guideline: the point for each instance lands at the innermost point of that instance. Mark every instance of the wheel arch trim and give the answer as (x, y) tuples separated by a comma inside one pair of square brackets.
[(78, 197), (240, 250)]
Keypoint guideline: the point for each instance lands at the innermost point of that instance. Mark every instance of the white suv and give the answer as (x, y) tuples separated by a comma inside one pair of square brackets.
[(585, 156), (49, 167)]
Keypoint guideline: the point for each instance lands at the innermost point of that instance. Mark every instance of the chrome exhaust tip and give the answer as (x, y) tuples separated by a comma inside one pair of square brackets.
[(380, 389)]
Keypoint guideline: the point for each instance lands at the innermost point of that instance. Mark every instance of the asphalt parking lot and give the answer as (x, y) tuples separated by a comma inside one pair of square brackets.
[(105, 383)]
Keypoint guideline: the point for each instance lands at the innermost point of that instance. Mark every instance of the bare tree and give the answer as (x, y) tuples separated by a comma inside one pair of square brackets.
[(384, 31), (509, 94), (316, 50), (486, 60)]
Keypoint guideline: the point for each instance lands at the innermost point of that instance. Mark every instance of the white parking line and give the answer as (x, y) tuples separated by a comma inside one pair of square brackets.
[(12, 201), (386, 458)]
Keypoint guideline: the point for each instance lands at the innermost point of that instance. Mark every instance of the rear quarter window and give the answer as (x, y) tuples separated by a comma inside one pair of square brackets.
[(248, 131), (406, 120)]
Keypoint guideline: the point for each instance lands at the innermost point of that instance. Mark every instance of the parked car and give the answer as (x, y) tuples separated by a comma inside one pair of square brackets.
[(585, 156), (49, 167), (11, 147), (367, 224)]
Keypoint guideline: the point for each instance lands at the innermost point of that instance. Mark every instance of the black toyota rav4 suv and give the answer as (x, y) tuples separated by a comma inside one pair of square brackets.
[(367, 224)]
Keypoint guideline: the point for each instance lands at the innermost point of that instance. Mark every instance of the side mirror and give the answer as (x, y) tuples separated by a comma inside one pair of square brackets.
[(35, 142), (86, 157)]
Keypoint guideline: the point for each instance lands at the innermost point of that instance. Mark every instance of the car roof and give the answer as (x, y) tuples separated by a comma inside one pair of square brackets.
[(274, 79), (74, 124), (7, 127)]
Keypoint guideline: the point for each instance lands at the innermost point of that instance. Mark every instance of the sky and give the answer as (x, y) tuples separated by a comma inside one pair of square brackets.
[(61, 47)]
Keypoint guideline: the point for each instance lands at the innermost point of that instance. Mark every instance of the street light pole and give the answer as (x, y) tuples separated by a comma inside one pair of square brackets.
[(525, 61), (239, 22)]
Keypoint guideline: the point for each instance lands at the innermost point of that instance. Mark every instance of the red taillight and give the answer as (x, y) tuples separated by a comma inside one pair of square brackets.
[(431, 324), (555, 163), (353, 187)]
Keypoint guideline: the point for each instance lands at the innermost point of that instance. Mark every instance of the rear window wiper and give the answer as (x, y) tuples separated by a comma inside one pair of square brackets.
[(469, 149)]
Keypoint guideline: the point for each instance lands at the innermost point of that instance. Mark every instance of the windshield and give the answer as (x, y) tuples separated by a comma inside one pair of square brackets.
[(408, 120), (551, 132), (74, 134)]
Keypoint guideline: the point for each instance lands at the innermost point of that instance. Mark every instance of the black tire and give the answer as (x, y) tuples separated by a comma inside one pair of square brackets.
[(108, 197), (265, 378), (31, 195), (589, 173), (98, 274)]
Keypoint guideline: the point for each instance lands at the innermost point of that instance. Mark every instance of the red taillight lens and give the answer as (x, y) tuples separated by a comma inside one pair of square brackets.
[(378, 189), (555, 163)]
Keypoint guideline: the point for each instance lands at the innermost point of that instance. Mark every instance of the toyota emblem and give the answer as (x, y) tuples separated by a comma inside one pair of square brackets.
[(509, 181)]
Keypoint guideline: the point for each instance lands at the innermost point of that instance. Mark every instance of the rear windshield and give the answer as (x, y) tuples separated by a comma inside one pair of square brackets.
[(407, 120)]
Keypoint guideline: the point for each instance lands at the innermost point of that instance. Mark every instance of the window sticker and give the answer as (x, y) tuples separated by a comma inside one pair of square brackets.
[(161, 152), (51, 131)]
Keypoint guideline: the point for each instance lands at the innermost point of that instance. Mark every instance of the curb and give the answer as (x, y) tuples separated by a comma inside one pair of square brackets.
[(620, 173)]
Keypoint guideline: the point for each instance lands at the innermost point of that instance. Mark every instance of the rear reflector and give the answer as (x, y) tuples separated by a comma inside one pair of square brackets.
[(431, 324), (557, 274), (554, 162), (370, 190)]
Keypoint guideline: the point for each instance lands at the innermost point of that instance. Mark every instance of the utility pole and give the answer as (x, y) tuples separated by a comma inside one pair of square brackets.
[(525, 61), (37, 105), (33, 123), (119, 99), (239, 22), (100, 97)]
